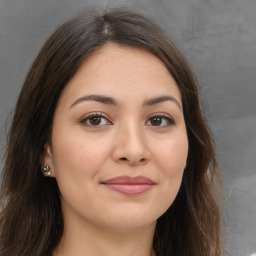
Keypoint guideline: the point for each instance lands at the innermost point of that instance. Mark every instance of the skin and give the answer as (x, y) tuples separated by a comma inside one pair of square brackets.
[(125, 139)]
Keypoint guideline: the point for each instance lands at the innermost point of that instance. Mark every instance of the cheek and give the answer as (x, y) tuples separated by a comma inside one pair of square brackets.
[(77, 157), (172, 154), (77, 160), (171, 161)]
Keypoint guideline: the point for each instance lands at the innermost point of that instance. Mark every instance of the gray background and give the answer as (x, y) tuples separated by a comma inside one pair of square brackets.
[(219, 39)]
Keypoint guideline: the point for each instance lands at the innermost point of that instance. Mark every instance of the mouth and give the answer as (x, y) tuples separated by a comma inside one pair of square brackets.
[(131, 186)]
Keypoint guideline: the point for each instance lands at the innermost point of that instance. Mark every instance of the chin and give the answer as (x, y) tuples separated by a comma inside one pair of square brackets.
[(132, 220), (129, 225)]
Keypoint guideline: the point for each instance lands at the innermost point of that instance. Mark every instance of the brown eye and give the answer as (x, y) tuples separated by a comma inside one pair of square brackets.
[(156, 121), (95, 120), (160, 121)]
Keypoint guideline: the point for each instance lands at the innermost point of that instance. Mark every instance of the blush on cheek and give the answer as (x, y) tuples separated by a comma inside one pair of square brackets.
[(174, 162)]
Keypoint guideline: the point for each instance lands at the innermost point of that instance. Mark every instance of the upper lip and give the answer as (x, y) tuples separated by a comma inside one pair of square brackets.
[(129, 180)]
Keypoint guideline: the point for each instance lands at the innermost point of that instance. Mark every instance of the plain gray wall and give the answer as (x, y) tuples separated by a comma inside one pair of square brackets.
[(219, 39)]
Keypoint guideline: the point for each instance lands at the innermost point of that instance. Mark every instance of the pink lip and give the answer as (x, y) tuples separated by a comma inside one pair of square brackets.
[(129, 185)]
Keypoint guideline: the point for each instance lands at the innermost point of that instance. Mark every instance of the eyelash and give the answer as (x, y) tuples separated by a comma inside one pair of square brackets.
[(93, 115), (86, 118), (169, 120)]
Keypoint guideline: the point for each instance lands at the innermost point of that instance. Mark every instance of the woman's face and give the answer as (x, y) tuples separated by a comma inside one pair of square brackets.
[(119, 142)]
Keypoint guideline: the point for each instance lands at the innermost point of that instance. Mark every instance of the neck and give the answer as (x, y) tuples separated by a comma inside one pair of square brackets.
[(83, 240)]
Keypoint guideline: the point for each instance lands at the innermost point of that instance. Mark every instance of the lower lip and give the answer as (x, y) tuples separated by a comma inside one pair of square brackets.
[(130, 189)]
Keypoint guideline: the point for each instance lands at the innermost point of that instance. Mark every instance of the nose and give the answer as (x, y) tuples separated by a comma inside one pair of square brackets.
[(131, 146)]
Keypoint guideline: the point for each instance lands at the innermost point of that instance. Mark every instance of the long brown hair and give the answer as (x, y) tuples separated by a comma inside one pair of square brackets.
[(31, 221)]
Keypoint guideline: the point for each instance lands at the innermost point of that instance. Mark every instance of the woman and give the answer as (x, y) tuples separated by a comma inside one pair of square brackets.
[(108, 152)]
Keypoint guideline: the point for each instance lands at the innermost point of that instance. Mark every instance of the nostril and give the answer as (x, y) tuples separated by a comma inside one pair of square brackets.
[(133, 161)]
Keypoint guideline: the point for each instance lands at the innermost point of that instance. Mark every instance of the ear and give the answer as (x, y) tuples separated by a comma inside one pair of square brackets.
[(47, 162)]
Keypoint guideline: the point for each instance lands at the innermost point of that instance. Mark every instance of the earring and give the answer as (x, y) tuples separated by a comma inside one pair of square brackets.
[(47, 170)]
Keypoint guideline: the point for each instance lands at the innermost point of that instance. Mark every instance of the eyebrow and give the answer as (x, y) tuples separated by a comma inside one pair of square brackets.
[(160, 99), (111, 101), (98, 98)]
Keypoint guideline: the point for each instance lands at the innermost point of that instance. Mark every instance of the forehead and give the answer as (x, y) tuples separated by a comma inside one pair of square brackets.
[(121, 71)]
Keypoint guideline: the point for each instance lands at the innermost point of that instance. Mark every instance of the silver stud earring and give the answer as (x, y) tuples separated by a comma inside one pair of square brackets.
[(47, 169)]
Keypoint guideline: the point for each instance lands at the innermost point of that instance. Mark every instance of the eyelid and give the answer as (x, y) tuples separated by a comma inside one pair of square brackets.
[(167, 117), (93, 114)]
